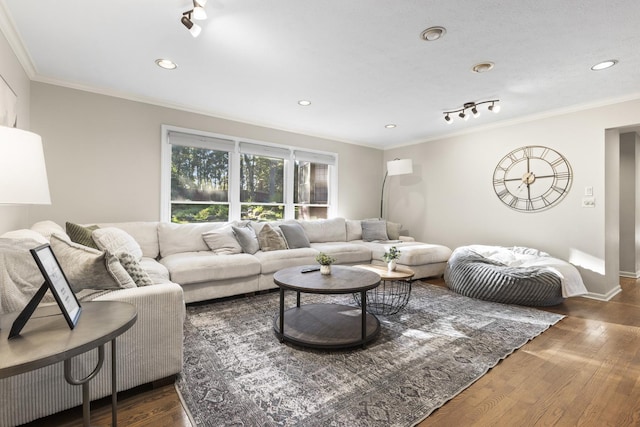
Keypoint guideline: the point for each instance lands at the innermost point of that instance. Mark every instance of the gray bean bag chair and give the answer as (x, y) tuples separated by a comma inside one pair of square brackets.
[(521, 276)]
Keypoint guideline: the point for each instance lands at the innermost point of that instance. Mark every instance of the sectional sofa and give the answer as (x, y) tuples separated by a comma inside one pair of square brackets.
[(206, 262), (159, 267)]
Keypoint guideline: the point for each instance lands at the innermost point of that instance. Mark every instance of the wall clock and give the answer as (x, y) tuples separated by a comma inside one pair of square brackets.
[(532, 178)]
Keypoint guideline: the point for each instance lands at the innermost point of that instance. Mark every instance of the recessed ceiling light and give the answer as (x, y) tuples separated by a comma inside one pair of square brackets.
[(304, 102), (604, 65), (483, 67), (167, 64), (433, 33), (390, 126)]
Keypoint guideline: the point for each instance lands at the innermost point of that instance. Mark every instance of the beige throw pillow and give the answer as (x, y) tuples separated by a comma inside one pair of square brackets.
[(270, 239), (88, 268), (115, 240)]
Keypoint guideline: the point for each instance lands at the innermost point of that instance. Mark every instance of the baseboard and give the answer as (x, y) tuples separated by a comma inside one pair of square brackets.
[(604, 297), (629, 274)]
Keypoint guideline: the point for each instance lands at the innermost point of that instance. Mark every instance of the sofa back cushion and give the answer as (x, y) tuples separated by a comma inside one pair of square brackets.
[(325, 230), (178, 238), (144, 232), (354, 230)]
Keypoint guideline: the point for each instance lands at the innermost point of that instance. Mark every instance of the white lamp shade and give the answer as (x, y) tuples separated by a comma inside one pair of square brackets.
[(23, 174), (399, 167)]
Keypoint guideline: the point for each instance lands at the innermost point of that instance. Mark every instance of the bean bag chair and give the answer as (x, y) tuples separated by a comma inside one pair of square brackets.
[(515, 275)]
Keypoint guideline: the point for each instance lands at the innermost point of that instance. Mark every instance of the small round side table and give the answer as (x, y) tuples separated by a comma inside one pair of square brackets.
[(393, 293)]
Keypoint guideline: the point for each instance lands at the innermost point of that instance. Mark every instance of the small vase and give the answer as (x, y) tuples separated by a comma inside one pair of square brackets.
[(391, 265), (325, 269)]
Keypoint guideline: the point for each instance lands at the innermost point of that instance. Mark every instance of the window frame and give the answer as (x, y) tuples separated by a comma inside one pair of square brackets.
[(289, 153)]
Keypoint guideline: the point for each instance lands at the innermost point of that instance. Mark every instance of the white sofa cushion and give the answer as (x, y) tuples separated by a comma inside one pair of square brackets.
[(115, 240), (144, 232), (412, 253), (354, 229), (276, 260), (195, 267), (344, 252), (222, 241), (325, 230), (179, 238), (47, 228)]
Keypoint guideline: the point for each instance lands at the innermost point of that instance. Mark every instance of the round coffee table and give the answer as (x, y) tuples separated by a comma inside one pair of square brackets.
[(393, 293), (327, 326)]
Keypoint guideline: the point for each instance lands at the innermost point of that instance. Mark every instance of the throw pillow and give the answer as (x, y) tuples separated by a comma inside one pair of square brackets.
[(115, 240), (81, 235), (134, 269), (374, 230), (222, 241), (393, 230), (247, 239), (270, 240), (88, 268), (295, 236)]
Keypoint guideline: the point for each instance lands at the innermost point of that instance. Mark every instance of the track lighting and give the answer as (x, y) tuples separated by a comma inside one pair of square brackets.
[(194, 29), (197, 13), (473, 108)]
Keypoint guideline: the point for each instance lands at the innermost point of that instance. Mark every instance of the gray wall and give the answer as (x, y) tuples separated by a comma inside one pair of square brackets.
[(103, 156), (450, 198), (629, 200)]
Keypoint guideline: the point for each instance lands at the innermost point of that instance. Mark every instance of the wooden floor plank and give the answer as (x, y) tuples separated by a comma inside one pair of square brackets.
[(585, 370)]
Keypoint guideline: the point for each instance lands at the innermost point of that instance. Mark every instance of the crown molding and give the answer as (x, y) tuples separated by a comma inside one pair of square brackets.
[(8, 28)]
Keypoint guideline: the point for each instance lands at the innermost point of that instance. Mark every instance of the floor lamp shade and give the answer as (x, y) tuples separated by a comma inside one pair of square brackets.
[(23, 174), (399, 167)]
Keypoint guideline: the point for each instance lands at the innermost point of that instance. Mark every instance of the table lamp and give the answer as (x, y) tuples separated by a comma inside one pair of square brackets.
[(23, 174)]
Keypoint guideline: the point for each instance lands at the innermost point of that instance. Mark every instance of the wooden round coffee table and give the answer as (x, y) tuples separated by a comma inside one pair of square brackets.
[(327, 326)]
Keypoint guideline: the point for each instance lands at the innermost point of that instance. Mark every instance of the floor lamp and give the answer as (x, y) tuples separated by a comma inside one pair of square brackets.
[(395, 167), (23, 174)]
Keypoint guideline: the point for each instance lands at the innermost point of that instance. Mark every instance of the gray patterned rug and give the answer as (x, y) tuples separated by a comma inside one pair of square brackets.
[(237, 373)]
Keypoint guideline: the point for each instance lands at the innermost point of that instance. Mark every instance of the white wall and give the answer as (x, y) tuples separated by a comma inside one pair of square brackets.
[(12, 217), (103, 156), (449, 199)]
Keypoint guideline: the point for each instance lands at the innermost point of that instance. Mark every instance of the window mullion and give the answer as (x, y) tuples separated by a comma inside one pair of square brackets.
[(235, 208), (289, 208)]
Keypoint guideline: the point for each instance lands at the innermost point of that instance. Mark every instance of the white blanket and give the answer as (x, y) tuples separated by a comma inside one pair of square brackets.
[(570, 279)]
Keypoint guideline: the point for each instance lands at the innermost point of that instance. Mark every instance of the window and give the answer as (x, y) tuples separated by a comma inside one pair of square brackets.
[(215, 178)]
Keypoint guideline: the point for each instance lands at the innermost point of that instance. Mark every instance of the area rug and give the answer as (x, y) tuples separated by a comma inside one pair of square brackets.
[(237, 373)]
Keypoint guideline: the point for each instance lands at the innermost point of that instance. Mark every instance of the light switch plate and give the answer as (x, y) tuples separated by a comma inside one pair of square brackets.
[(588, 202)]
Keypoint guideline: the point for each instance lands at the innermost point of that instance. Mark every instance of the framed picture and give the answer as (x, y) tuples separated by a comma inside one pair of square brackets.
[(8, 105), (58, 283)]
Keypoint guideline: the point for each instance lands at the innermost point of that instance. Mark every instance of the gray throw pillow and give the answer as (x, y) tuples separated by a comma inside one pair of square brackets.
[(270, 240), (374, 230), (134, 269), (222, 241), (247, 239), (295, 235)]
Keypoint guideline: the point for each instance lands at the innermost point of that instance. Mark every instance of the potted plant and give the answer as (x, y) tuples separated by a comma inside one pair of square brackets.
[(325, 262), (390, 257)]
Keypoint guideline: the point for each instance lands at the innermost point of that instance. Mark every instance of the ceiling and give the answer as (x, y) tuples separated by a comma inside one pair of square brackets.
[(361, 63)]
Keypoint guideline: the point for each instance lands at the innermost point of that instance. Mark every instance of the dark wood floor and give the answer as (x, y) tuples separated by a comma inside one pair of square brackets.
[(584, 371)]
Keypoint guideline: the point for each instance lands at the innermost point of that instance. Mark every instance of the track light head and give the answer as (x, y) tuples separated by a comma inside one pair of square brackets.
[(448, 119), (474, 111), (198, 11), (463, 116), (194, 29), (494, 108)]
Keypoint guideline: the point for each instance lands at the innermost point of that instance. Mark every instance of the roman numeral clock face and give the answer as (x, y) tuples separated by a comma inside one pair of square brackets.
[(532, 178)]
